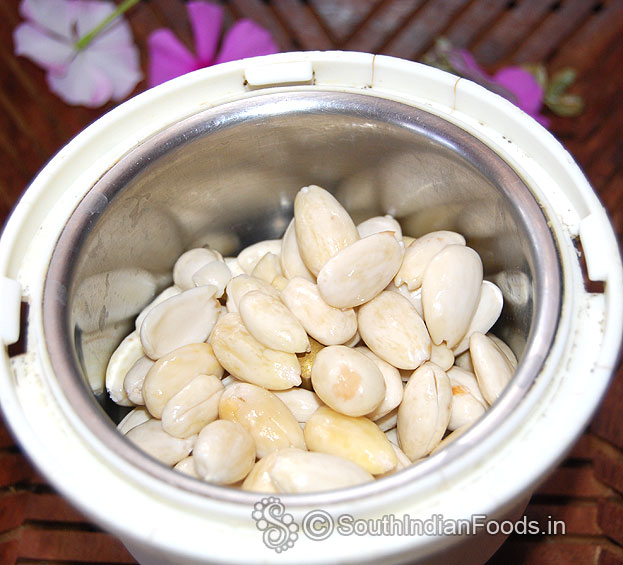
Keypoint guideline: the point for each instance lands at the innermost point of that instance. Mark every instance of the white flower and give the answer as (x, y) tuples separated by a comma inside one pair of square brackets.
[(108, 67)]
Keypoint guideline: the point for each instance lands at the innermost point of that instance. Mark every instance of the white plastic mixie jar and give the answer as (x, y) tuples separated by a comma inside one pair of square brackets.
[(216, 157)]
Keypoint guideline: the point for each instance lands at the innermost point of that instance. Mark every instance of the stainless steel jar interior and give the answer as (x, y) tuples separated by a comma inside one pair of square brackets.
[(228, 176)]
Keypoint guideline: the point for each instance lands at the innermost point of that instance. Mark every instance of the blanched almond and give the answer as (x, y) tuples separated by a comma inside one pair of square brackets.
[(166, 293), (187, 466), (248, 360), (379, 224), (291, 263), (442, 355), (295, 471), (249, 257), (357, 273), (323, 227), (224, 452), (263, 415), (121, 361), (180, 320), (487, 312), (240, 285), (357, 439), (271, 322), (193, 407), (189, 263), (174, 371), (467, 402), (347, 380), (393, 385), (419, 254), (504, 348), (326, 324), (134, 418), (301, 402), (267, 268), (413, 296), (153, 440), (493, 369), (134, 379), (450, 293), (425, 411), (216, 273), (390, 326)]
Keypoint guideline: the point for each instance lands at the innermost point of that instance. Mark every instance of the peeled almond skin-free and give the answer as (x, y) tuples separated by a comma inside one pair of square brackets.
[(291, 263), (216, 273), (419, 254), (121, 361), (134, 379), (173, 372), (249, 360), (193, 407), (393, 385), (249, 257), (425, 410), (487, 312), (263, 415), (153, 440), (224, 452), (347, 381), (360, 271), (296, 471), (467, 401), (166, 293), (356, 439), (182, 319), (301, 402), (270, 322), (493, 369), (189, 263), (392, 329), (240, 285), (267, 268), (379, 224), (450, 293), (323, 227), (326, 324)]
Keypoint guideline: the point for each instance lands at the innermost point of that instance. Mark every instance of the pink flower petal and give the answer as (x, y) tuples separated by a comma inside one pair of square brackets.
[(168, 57), (57, 16), (120, 64), (246, 39), (45, 50), (523, 85), (83, 83), (90, 14), (206, 20)]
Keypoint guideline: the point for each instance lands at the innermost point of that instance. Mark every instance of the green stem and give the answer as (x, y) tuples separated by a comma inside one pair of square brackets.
[(122, 8)]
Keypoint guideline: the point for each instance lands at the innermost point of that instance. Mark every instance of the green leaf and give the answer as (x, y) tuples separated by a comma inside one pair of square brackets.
[(538, 71), (567, 105), (560, 81)]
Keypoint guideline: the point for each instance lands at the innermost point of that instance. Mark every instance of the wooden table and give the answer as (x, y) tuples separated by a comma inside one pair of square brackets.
[(585, 490)]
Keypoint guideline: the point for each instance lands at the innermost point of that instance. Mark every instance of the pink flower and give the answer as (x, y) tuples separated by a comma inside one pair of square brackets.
[(106, 68), (169, 57), (513, 83)]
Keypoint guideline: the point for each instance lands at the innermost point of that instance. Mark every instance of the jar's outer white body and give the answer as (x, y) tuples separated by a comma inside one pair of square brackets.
[(165, 524)]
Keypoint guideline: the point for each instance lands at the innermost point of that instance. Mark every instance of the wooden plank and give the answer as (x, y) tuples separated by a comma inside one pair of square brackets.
[(378, 30), (585, 46), (580, 519), (262, 14), (302, 24), (502, 38), (419, 34), (343, 18), (574, 482), (51, 508), (72, 545), (173, 14), (611, 519), (6, 440), (607, 422), (559, 24), (474, 21), (12, 510), (569, 553), (14, 468)]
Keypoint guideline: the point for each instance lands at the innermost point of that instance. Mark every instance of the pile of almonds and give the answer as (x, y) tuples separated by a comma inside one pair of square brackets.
[(331, 357)]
